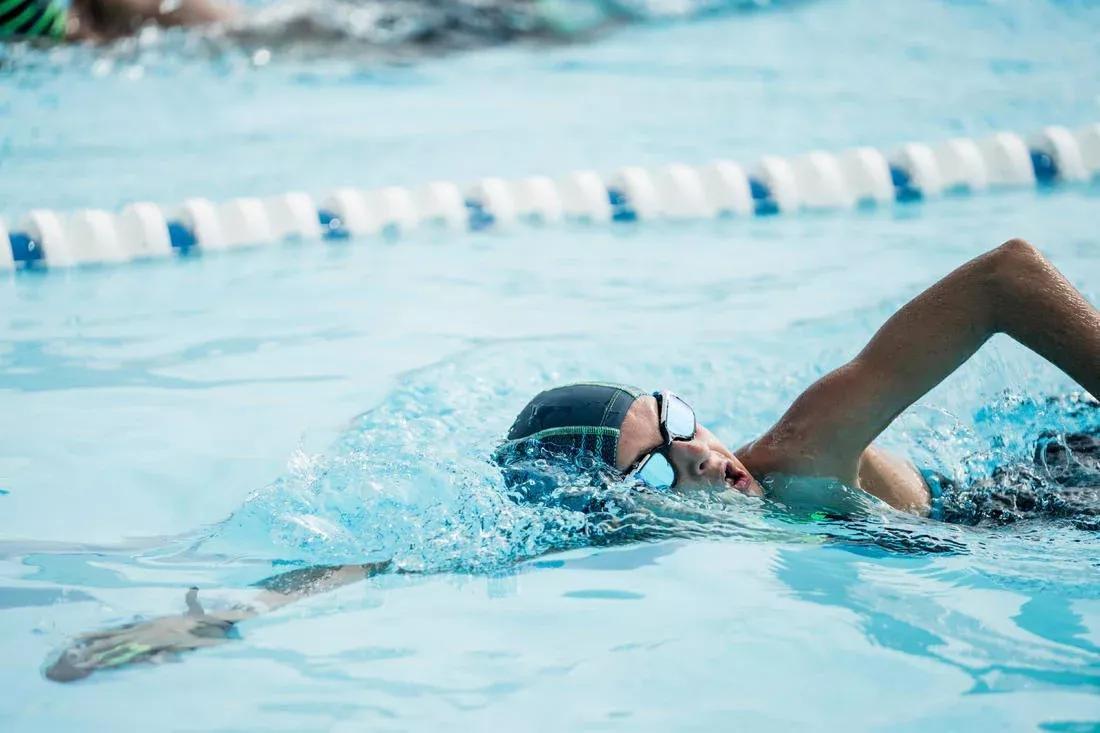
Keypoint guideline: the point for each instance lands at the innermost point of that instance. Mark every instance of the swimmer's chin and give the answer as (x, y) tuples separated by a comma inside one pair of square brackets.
[(730, 495), (751, 489), (754, 489), (734, 497)]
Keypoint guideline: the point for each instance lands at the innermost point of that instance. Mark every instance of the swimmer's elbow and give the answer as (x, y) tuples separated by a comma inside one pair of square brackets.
[(1014, 257), (1011, 270)]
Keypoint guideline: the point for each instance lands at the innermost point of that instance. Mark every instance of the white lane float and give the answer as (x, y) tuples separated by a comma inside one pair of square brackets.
[(93, 237), (538, 200), (7, 257), (244, 222), (726, 188), (960, 165), (820, 182), (293, 216), (817, 180), (1007, 160), (867, 175), (143, 231), (584, 197), (440, 203)]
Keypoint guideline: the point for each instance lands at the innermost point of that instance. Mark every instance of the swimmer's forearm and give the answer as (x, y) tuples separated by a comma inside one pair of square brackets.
[(1012, 289), (279, 590)]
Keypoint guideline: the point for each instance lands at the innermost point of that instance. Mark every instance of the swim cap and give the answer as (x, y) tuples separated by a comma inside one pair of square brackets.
[(32, 19), (571, 421)]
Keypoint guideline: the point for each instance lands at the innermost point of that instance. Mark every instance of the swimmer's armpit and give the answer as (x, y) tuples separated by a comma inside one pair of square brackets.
[(163, 638)]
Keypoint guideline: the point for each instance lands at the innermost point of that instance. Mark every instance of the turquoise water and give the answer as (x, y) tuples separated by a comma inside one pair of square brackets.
[(210, 421)]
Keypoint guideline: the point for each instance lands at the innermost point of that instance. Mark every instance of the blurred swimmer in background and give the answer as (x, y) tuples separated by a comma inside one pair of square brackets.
[(402, 27)]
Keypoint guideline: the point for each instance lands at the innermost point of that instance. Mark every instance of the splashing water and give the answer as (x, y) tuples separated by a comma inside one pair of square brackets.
[(411, 480)]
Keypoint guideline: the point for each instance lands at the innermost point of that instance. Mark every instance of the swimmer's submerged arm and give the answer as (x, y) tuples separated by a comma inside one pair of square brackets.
[(161, 638), (279, 590), (1012, 289)]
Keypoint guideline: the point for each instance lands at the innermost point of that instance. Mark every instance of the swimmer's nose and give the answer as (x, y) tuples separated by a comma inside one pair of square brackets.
[(691, 457)]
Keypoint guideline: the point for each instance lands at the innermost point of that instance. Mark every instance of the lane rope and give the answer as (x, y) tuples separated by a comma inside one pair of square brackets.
[(818, 180)]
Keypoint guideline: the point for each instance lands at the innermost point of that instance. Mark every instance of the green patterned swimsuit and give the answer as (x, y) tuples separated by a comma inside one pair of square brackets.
[(32, 19)]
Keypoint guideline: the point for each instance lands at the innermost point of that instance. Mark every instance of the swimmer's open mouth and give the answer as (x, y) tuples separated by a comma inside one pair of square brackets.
[(737, 479)]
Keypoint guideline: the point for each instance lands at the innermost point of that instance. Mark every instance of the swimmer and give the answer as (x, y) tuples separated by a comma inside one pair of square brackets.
[(828, 431), (654, 441), (103, 20)]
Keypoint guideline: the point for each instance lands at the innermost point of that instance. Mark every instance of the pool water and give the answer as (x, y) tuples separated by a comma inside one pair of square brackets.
[(212, 420)]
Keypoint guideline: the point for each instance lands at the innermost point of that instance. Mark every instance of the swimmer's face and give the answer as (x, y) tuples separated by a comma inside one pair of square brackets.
[(700, 463)]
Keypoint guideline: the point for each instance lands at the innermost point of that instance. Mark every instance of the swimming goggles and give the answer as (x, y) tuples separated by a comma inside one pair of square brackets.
[(677, 422)]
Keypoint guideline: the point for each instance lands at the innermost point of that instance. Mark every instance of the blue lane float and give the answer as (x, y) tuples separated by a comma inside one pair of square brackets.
[(719, 188), (1046, 170), (764, 203), (180, 236)]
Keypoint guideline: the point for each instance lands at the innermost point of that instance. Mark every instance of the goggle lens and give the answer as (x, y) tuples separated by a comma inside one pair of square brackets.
[(679, 418), (656, 472)]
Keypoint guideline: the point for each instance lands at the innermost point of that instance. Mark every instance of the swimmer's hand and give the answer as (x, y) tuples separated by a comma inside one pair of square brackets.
[(162, 639), (157, 640)]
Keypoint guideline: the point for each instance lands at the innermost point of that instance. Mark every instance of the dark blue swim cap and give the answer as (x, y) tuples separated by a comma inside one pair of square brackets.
[(574, 423)]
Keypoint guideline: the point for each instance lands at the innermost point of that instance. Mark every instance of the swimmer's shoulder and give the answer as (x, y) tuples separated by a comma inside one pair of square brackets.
[(893, 479), (880, 473)]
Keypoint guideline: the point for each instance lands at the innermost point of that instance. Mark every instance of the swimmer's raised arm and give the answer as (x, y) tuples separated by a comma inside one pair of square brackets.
[(1012, 289), (158, 638)]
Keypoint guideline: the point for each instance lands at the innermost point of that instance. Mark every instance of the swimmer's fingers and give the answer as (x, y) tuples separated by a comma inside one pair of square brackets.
[(191, 600), (83, 657), (150, 641)]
